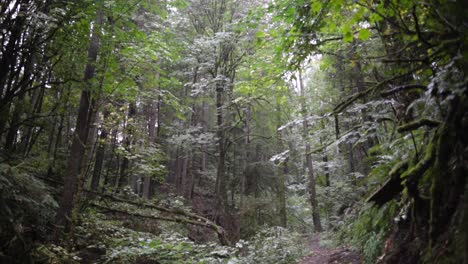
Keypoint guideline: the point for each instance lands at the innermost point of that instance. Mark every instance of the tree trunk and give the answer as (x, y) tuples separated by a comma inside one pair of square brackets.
[(192, 155), (309, 164), (204, 124), (27, 140), (221, 194), (124, 167), (12, 133), (109, 166), (282, 195), (55, 146), (8, 62), (178, 168), (184, 175), (282, 174), (246, 158), (100, 154), (153, 119), (327, 170), (80, 135), (190, 179)]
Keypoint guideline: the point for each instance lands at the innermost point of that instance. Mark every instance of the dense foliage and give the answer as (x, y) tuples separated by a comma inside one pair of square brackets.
[(230, 131)]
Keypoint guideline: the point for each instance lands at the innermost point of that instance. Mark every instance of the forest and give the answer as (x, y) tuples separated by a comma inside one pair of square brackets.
[(234, 131)]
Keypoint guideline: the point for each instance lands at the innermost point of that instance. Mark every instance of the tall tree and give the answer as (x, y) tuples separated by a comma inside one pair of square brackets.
[(80, 136), (308, 158)]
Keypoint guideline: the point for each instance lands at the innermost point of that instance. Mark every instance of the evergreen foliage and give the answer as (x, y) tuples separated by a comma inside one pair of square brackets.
[(233, 131)]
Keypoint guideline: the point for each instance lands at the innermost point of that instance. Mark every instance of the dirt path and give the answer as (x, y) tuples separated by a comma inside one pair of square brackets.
[(322, 255)]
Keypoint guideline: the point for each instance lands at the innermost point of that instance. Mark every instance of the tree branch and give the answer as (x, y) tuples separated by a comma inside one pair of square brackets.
[(154, 217), (403, 88), (191, 217), (391, 187), (417, 124)]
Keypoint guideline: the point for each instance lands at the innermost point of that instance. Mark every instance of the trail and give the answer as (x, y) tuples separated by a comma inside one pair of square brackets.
[(323, 255)]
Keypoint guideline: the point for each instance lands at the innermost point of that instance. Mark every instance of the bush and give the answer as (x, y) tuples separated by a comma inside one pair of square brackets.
[(27, 211)]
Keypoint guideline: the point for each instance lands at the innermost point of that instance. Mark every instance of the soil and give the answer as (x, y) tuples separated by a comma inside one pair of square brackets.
[(323, 255)]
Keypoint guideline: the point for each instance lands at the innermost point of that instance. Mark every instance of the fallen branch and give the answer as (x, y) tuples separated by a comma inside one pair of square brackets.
[(417, 124), (422, 164), (147, 205), (400, 172), (403, 88), (391, 187), (189, 218), (154, 217)]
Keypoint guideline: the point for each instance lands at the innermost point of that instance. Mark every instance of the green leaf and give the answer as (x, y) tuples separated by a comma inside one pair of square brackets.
[(347, 34), (332, 26), (260, 34), (375, 18), (316, 6), (364, 34)]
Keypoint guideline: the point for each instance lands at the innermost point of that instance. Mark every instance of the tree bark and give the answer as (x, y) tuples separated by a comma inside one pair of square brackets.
[(282, 195), (204, 124), (246, 158), (282, 174), (221, 190), (100, 154), (309, 164), (110, 162), (124, 167), (153, 118), (80, 135)]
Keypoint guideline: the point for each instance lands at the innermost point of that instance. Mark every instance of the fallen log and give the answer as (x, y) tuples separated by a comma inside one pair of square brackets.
[(181, 215), (391, 187)]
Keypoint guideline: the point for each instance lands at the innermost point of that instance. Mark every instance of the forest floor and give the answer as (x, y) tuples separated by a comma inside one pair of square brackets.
[(324, 255)]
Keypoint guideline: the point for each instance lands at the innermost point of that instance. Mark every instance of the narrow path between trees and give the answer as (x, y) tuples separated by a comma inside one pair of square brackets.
[(323, 255)]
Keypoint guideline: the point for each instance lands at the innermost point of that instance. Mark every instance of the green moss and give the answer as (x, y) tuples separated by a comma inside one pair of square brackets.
[(438, 184), (422, 165), (397, 169)]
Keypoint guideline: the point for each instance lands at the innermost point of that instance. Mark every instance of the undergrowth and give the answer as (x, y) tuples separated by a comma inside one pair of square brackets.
[(368, 230), (99, 239), (28, 209)]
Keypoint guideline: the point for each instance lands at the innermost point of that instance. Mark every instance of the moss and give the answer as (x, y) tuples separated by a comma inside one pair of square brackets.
[(417, 124), (437, 187), (398, 168), (448, 181), (418, 169)]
